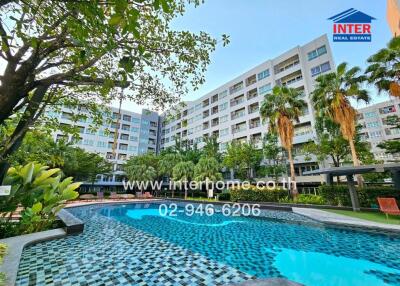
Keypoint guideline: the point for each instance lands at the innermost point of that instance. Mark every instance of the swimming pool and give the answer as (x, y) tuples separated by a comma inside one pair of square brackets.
[(133, 244)]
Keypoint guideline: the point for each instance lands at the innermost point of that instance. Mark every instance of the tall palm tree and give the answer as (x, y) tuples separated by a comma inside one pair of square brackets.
[(331, 98), (207, 170), (183, 172), (281, 108), (384, 68)]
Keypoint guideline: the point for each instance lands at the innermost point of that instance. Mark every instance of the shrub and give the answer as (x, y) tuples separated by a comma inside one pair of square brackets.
[(304, 199), (339, 194), (335, 195), (41, 193), (3, 249), (261, 194), (224, 197)]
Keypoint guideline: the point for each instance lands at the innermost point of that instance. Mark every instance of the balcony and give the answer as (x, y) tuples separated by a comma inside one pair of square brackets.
[(287, 64), (235, 88), (206, 114), (238, 113), (214, 98), (253, 108), (252, 94), (237, 100), (214, 110), (206, 102), (251, 80), (254, 123), (214, 122), (290, 79), (239, 128)]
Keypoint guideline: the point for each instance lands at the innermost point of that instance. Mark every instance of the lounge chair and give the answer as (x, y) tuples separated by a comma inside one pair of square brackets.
[(114, 195), (100, 195), (388, 206), (147, 195), (87, 197)]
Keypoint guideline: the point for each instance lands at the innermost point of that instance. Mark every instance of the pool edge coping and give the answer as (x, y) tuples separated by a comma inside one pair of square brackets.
[(329, 218), (15, 247)]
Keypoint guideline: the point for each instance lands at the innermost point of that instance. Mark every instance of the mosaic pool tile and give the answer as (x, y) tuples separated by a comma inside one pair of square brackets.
[(132, 245)]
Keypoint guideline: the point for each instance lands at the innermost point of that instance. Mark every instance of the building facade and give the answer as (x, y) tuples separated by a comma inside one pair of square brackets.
[(137, 133), (231, 111), (378, 123)]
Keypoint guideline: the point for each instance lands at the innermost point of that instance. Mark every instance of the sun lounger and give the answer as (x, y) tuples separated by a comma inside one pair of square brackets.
[(388, 206)]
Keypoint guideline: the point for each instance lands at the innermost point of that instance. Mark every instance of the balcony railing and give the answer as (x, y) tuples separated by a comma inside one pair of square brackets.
[(255, 124), (238, 115), (237, 101), (238, 129)]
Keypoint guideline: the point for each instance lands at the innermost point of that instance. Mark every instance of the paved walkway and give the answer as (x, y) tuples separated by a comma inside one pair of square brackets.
[(333, 218)]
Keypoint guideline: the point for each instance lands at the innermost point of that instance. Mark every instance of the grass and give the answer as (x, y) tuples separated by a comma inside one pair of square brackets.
[(371, 216)]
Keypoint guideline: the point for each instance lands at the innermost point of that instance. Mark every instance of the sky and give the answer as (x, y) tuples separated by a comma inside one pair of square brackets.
[(263, 29)]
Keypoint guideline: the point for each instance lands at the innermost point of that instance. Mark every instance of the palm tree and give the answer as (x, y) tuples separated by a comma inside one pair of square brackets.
[(281, 108), (331, 98), (207, 170), (384, 70), (183, 172)]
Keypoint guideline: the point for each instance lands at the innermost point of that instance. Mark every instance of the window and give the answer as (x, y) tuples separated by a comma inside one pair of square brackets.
[(88, 142), (123, 146), (263, 74), (223, 106), (198, 106), (387, 109), (135, 120), (316, 53), (126, 117), (371, 114), (223, 118), (101, 144), (375, 134), (373, 124), (224, 132), (134, 129), (320, 69), (125, 127), (132, 148), (223, 94), (124, 137), (264, 89)]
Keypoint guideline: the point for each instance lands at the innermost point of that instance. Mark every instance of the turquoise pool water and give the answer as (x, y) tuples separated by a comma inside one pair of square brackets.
[(212, 250)]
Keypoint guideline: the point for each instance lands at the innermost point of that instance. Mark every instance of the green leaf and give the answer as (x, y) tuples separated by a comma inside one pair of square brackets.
[(72, 186), (44, 175), (115, 20), (36, 208), (69, 195), (26, 173)]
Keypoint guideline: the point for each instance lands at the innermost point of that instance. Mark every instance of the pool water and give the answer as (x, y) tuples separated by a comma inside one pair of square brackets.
[(133, 244)]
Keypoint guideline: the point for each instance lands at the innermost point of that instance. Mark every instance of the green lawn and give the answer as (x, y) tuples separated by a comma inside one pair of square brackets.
[(372, 216)]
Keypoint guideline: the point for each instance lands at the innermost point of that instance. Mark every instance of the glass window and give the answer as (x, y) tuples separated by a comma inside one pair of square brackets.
[(135, 120), (263, 74), (264, 89), (316, 53), (224, 132), (371, 114), (223, 94)]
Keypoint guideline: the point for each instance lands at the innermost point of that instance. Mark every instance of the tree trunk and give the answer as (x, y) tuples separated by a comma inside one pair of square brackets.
[(293, 187), (356, 162), (18, 135)]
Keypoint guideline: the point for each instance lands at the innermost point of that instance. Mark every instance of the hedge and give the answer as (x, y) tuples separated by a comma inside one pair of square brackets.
[(339, 194), (261, 194)]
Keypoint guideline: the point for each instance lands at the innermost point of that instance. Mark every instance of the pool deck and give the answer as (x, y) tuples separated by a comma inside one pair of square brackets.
[(337, 219)]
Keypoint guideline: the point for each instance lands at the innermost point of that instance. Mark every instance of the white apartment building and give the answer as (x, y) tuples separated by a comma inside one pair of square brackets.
[(376, 126), (137, 134), (231, 111)]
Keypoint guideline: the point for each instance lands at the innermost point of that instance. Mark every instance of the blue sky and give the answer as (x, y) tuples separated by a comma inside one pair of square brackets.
[(263, 29)]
